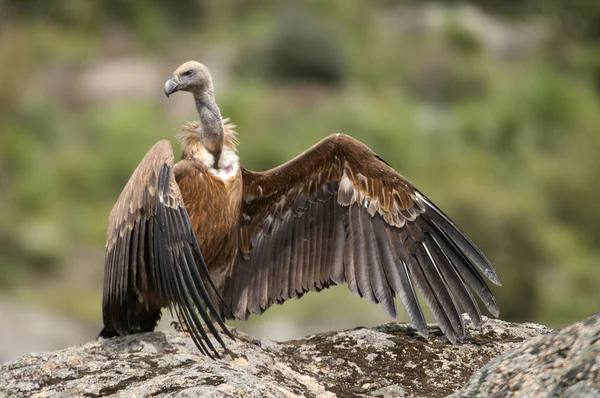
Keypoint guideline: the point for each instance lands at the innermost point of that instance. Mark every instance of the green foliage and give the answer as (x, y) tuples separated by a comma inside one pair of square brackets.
[(462, 39), (305, 48), (508, 148)]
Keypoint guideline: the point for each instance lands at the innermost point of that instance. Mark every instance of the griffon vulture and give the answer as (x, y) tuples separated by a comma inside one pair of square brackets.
[(212, 240)]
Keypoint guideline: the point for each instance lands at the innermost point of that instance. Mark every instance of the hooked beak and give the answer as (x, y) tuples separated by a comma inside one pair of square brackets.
[(171, 86)]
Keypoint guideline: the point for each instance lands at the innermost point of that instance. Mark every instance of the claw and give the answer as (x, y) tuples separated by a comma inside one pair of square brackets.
[(179, 327)]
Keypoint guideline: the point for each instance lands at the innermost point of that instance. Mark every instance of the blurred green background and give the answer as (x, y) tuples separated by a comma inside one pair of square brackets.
[(491, 108)]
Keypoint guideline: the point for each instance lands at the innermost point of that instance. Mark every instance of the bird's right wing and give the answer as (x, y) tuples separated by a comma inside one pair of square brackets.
[(151, 255)]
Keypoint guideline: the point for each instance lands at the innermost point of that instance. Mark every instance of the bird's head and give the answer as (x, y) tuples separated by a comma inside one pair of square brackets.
[(193, 77)]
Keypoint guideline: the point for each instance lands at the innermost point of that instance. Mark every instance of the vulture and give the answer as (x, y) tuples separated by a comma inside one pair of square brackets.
[(213, 241)]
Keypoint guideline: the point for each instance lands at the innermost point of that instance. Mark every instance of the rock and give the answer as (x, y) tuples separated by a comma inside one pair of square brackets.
[(563, 364), (385, 361)]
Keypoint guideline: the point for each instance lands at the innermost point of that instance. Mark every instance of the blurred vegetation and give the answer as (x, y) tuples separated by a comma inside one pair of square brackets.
[(505, 140)]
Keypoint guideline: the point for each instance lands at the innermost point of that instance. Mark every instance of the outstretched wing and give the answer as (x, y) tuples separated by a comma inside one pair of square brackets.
[(339, 214), (151, 255)]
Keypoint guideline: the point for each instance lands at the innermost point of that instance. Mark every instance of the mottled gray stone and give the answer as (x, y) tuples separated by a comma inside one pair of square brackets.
[(565, 363), (391, 360)]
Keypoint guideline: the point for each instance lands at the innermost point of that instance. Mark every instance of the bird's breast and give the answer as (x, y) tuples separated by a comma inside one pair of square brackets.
[(213, 205)]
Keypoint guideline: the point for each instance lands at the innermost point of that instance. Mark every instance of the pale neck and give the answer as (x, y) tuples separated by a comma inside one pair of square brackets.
[(212, 134)]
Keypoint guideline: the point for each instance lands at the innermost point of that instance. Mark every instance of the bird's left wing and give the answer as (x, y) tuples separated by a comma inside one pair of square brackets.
[(151, 256), (339, 214)]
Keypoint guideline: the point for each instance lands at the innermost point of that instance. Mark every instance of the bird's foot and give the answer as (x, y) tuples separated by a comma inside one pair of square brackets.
[(180, 327), (183, 328), (237, 334)]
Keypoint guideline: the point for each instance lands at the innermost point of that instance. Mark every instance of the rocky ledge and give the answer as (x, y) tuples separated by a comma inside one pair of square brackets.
[(385, 361), (563, 364)]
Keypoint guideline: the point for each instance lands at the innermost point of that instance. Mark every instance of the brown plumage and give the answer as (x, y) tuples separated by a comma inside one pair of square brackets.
[(335, 214)]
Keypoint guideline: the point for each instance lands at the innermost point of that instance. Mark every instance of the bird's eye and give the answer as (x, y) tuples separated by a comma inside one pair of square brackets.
[(188, 73)]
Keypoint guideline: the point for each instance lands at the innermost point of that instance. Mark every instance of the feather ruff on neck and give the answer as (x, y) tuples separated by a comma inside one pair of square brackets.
[(189, 138)]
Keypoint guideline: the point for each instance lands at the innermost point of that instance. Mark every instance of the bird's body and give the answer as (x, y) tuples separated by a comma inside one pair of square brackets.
[(335, 214), (213, 198)]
